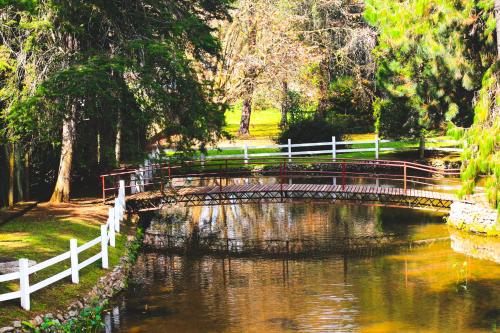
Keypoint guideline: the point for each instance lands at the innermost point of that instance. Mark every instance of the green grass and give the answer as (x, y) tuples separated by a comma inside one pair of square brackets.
[(43, 239), (263, 123)]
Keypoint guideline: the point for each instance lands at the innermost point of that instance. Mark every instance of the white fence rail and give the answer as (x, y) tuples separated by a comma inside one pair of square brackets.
[(331, 147), (107, 238)]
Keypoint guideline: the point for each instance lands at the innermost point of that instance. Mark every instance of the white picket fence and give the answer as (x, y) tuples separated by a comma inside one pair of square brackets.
[(331, 148), (107, 238)]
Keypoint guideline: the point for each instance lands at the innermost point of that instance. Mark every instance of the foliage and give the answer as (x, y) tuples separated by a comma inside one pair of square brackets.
[(311, 129), (294, 106), (348, 106), (482, 152), (431, 57), (343, 43), (88, 321), (141, 62)]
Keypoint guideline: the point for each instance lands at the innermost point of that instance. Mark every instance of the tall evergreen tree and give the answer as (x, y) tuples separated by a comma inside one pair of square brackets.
[(92, 60)]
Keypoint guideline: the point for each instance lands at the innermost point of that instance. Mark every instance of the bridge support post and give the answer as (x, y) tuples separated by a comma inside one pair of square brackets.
[(103, 189), (343, 176), (121, 189), (281, 180)]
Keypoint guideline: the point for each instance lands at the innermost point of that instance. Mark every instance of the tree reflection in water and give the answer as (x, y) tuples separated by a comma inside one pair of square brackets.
[(406, 290)]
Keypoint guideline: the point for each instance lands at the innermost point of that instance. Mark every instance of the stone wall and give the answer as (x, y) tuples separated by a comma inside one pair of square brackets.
[(474, 217)]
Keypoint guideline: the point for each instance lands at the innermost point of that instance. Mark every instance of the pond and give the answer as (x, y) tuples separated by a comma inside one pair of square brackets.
[(429, 282)]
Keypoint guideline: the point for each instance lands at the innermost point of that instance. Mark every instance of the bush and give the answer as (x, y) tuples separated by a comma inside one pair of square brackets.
[(311, 130), (349, 103)]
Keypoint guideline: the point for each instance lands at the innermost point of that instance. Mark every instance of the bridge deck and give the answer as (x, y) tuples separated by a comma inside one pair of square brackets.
[(213, 195)]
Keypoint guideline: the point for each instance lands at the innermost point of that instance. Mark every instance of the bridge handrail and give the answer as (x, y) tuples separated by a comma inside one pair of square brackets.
[(146, 175)]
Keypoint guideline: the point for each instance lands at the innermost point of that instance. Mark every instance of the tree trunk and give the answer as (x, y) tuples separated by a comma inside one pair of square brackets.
[(11, 175), (250, 74), (98, 142), (118, 142), (284, 103), (19, 173), (62, 189), (246, 112), (324, 81), (27, 179), (421, 147)]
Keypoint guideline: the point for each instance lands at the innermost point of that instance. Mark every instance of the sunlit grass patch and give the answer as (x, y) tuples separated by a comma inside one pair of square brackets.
[(39, 240), (264, 124)]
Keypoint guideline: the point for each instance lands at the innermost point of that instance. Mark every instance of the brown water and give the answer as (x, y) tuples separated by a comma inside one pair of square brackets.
[(427, 288)]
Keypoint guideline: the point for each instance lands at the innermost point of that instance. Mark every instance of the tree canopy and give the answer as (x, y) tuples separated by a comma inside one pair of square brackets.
[(101, 64)]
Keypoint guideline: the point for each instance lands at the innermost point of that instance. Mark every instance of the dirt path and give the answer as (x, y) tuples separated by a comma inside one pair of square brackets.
[(90, 210)]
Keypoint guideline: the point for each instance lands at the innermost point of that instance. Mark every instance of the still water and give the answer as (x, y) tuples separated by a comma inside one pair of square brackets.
[(437, 280)]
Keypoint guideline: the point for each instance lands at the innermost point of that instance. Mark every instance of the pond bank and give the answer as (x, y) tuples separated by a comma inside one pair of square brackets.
[(474, 217)]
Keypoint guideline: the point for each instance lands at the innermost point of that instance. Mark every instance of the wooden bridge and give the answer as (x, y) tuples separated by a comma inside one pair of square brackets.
[(230, 181)]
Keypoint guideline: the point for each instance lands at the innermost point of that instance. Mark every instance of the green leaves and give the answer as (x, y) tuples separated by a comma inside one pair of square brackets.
[(431, 57), (89, 320)]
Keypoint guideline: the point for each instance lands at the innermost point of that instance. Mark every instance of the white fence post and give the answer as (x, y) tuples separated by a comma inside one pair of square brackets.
[(112, 226), (376, 146), (334, 148), (24, 283), (145, 179), (112, 236), (73, 249), (133, 188), (118, 215), (245, 153), (289, 150), (142, 176), (118, 210), (104, 246), (202, 159), (121, 189)]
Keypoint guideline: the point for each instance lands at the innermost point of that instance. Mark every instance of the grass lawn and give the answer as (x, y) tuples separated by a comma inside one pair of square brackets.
[(40, 235), (263, 123)]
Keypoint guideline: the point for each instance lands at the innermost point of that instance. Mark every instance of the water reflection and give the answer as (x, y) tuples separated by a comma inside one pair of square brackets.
[(487, 248), (287, 229), (429, 288)]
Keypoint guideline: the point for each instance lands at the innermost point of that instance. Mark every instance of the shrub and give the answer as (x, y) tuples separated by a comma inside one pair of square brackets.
[(311, 130)]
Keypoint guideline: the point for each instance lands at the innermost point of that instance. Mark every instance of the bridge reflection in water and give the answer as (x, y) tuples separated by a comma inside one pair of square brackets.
[(425, 288), (283, 230)]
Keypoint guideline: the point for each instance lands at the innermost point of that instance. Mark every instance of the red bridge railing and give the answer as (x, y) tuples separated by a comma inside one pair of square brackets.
[(181, 174)]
